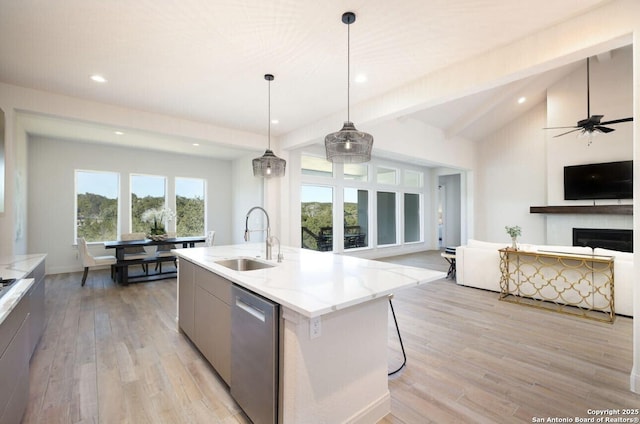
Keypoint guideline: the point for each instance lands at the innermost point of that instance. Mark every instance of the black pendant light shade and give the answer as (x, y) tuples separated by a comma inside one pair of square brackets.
[(348, 145), (269, 165)]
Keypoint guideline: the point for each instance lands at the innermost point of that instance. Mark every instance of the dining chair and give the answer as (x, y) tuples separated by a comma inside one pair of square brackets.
[(135, 252), (88, 260), (211, 235), (164, 251)]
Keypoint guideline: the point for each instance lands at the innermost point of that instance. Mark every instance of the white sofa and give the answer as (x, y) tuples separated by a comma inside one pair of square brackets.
[(478, 265)]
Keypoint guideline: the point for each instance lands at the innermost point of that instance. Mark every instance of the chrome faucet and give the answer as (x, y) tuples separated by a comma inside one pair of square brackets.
[(268, 230), (270, 241)]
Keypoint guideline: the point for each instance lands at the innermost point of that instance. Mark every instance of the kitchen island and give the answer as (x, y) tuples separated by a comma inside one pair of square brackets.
[(333, 324)]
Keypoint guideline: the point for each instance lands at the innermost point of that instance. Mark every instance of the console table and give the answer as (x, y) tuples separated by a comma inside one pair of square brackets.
[(570, 283)]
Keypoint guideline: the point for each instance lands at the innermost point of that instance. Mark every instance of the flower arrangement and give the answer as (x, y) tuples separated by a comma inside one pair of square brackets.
[(514, 231), (158, 218)]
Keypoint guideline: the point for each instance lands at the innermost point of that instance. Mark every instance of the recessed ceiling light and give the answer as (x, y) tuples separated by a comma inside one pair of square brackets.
[(275, 121), (118, 133), (98, 78), (360, 78), (522, 100), (196, 144)]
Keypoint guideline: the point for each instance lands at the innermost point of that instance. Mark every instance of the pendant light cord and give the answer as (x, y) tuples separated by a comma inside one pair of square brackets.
[(348, 69), (269, 114)]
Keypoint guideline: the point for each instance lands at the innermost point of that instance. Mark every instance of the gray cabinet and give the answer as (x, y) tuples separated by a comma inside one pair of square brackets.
[(37, 318), (15, 351), (186, 309), (205, 314)]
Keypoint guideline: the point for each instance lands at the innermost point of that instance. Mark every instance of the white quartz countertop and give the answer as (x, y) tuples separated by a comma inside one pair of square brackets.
[(309, 282), (18, 267)]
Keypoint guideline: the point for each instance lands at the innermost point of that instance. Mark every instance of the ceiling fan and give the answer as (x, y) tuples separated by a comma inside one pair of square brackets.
[(591, 124)]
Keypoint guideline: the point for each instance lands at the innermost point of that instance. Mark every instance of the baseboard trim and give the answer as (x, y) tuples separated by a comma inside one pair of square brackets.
[(634, 380), (373, 413)]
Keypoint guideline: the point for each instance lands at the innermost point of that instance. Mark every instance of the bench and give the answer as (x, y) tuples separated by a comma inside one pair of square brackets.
[(122, 270)]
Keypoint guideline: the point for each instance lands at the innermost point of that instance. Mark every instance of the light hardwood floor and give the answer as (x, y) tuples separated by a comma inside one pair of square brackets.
[(112, 354)]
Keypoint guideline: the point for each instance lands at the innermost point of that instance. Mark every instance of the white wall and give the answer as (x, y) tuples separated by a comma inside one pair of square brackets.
[(51, 167), (247, 191), (511, 177), (416, 142)]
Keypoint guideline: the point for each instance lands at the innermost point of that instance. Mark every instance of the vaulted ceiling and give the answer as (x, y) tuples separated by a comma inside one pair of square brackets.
[(204, 60)]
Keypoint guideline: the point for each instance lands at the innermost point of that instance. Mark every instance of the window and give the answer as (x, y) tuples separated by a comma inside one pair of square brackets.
[(147, 192), (413, 179), (411, 217), (312, 165), (376, 204), (189, 207), (386, 175), (386, 208), (317, 217), (356, 172), (97, 205), (356, 218)]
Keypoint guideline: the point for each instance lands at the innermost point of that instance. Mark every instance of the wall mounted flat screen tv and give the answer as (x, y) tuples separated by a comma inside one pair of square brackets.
[(611, 180)]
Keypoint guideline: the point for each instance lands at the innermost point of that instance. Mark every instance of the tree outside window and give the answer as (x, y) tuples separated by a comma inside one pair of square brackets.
[(97, 205), (317, 217), (356, 218), (147, 192), (190, 207)]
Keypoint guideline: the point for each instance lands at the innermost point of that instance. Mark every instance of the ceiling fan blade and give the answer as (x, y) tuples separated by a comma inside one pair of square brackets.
[(603, 129), (558, 128), (568, 132), (617, 121)]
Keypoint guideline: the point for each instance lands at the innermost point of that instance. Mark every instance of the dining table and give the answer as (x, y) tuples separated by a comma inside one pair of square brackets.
[(122, 265)]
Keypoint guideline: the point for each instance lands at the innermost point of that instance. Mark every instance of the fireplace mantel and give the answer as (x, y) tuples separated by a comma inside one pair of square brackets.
[(584, 209)]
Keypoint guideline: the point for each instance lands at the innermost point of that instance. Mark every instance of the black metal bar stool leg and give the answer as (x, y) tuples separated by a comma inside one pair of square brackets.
[(404, 355)]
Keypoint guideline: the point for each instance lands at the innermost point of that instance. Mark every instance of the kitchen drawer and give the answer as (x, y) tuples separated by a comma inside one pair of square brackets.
[(214, 284), (14, 368), (12, 322)]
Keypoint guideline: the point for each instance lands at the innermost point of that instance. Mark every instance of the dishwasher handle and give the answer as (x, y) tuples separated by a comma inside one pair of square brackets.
[(251, 310)]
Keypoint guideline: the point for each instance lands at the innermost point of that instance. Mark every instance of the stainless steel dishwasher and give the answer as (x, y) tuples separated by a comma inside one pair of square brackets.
[(255, 323)]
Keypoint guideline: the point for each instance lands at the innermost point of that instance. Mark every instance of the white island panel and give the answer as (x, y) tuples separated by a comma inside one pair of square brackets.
[(340, 376)]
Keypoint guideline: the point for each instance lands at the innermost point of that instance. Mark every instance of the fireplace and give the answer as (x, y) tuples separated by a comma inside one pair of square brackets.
[(621, 240)]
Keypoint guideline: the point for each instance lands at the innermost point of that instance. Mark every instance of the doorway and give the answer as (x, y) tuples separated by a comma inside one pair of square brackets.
[(449, 210)]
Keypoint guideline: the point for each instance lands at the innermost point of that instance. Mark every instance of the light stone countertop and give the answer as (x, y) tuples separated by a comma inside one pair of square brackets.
[(309, 282), (18, 267)]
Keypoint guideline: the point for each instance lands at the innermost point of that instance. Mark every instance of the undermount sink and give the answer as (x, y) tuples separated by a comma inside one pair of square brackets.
[(244, 264)]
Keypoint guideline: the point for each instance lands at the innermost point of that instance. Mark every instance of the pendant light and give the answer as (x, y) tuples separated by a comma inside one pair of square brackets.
[(269, 165), (348, 145)]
